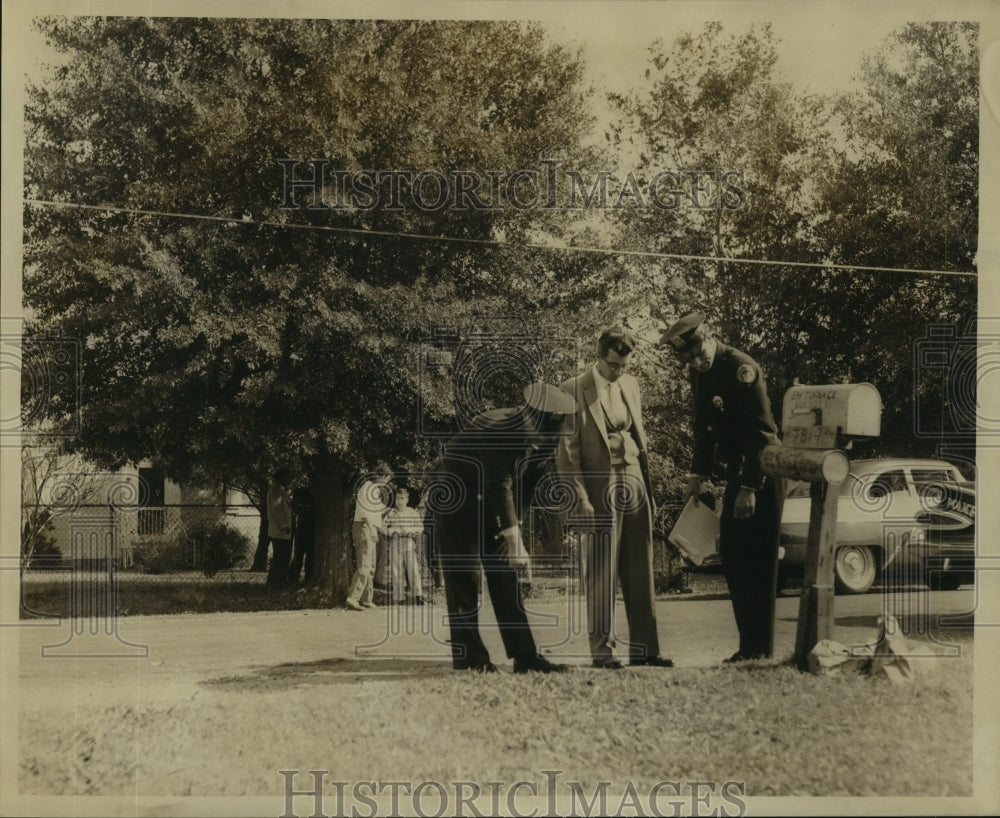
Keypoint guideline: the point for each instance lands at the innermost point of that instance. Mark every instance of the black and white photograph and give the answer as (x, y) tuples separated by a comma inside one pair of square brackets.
[(522, 408)]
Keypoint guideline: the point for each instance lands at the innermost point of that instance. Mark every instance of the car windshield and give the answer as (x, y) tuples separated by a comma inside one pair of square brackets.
[(887, 483), (873, 485)]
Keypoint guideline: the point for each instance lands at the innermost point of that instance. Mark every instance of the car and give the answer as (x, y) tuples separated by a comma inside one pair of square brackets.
[(901, 520)]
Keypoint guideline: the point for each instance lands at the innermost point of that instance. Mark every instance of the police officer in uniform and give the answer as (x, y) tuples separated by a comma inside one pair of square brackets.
[(733, 420), (494, 464)]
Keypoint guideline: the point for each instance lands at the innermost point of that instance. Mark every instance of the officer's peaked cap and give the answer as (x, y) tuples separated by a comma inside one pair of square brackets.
[(684, 335), (543, 397)]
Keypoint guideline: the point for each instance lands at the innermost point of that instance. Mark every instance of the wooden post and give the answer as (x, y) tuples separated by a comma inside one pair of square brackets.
[(816, 599), (818, 422), (825, 469), (812, 465)]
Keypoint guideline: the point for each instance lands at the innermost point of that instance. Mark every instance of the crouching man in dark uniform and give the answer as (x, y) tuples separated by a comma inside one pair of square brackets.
[(493, 466), (732, 418)]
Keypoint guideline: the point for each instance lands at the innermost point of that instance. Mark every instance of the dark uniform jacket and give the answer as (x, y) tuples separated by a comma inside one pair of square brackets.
[(497, 465), (732, 417)]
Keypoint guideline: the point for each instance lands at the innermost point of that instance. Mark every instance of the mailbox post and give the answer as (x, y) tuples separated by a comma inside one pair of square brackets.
[(817, 424)]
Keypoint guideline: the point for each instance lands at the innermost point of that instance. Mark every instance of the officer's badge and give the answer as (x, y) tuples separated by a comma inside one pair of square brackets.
[(717, 402), (746, 373)]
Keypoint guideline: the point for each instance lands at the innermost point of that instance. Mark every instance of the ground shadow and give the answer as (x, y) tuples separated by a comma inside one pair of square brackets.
[(338, 670)]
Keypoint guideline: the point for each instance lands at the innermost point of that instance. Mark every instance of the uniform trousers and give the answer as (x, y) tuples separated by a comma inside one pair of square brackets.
[(748, 549), (461, 553)]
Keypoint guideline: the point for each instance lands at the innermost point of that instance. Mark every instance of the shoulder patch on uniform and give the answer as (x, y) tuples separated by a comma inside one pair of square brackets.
[(747, 373)]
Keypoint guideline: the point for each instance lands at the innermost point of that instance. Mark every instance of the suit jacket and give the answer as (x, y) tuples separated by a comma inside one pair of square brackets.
[(583, 454)]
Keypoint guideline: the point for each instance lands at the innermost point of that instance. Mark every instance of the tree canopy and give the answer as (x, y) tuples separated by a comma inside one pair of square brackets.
[(903, 192), (882, 177), (247, 236), (243, 342)]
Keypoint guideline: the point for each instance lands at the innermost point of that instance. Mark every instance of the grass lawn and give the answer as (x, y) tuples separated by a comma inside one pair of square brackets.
[(768, 729), (765, 726)]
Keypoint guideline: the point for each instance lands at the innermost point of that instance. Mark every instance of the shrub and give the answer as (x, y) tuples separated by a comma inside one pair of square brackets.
[(163, 556), (221, 548), (39, 549), (674, 578), (670, 568)]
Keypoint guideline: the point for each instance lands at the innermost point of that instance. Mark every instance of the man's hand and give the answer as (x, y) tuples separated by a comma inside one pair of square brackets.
[(584, 508), (693, 489), (746, 504), (512, 547)]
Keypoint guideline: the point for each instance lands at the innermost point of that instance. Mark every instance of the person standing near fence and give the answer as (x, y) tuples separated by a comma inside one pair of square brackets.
[(303, 541), (430, 554), (404, 532), (279, 529), (369, 524)]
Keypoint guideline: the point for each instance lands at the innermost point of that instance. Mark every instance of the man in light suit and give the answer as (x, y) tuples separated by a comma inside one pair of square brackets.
[(602, 455)]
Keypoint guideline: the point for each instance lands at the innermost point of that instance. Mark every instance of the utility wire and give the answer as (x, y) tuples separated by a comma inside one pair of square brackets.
[(358, 231)]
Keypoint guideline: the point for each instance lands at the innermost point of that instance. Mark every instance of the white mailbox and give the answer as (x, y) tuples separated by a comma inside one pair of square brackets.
[(824, 416)]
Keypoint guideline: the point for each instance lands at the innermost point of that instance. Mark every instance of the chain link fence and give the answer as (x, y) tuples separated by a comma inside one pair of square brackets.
[(152, 539), (173, 537)]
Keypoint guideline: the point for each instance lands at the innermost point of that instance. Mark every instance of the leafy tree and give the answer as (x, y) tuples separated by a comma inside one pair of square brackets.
[(739, 148), (868, 179), (906, 186), (903, 192), (235, 346)]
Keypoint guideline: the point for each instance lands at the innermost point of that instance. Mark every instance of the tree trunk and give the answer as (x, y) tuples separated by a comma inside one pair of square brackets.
[(260, 555), (333, 553)]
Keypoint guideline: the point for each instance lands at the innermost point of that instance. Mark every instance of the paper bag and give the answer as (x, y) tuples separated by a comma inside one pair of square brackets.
[(696, 531)]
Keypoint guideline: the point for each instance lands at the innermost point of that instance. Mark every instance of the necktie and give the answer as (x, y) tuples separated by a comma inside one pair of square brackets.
[(616, 409)]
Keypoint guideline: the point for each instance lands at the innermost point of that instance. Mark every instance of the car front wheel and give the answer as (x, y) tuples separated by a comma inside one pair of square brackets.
[(854, 569)]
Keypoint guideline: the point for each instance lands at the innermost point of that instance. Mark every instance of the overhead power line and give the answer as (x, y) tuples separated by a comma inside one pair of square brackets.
[(610, 251)]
